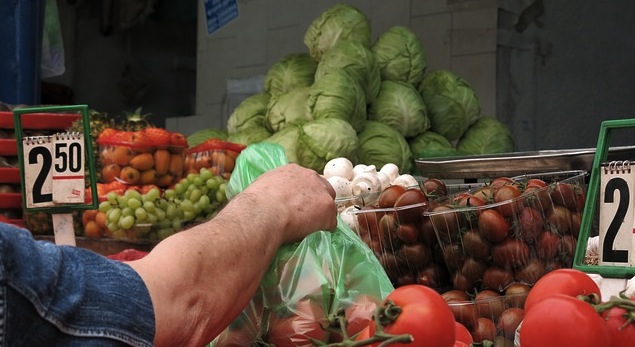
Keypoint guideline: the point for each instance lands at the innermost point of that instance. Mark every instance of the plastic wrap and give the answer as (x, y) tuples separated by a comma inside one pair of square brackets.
[(307, 282)]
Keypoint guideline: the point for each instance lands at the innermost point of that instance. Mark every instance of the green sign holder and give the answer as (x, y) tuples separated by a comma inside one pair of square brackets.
[(591, 206)]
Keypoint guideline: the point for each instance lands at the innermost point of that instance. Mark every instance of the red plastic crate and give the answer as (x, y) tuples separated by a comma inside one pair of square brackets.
[(9, 175), (8, 147), (11, 200), (40, 121)]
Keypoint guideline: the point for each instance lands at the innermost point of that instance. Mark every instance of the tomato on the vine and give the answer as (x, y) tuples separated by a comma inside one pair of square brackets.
[(424, 314), (566, 281), (622, 331), (563, 320)]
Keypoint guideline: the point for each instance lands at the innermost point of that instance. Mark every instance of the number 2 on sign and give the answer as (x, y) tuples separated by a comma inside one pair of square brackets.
[(616, 215)]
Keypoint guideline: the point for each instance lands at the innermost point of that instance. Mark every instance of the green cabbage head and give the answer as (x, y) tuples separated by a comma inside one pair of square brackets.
[(251, 112), (339, 22), (288, 139), (400, 56), (452, 103), (487, 136), (400, 106), (380, 144), (249, 136), (428, 139), (324, 139), (288, 108), (337, 95), (356, 59), (293, 71)]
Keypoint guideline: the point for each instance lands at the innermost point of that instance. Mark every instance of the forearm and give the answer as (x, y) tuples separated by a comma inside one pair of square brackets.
[(201, 278)]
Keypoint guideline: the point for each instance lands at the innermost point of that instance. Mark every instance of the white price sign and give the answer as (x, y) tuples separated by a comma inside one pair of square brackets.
[(617, 184), (54, 170)]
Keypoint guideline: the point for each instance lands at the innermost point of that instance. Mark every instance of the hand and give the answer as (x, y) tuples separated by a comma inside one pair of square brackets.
[(301, 196)]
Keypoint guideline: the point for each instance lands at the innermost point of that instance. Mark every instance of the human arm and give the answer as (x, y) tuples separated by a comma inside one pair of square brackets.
[(200, 279)]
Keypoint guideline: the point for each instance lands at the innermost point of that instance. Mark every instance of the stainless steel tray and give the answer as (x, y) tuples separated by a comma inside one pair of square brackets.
[(516, 163)]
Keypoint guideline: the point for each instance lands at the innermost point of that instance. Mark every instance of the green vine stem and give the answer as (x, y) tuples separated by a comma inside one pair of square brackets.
[(622, 301)]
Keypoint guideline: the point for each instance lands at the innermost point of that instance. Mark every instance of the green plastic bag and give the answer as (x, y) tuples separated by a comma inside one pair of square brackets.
[(307, 281)]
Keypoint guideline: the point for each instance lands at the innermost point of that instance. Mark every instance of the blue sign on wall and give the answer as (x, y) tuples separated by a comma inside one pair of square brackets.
[(218, 13)]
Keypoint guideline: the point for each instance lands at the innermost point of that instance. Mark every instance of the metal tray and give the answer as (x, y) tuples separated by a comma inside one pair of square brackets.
[(516, 163)]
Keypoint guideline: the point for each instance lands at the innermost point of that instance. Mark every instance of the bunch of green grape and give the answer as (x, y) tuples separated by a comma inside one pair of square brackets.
[(153, 215)]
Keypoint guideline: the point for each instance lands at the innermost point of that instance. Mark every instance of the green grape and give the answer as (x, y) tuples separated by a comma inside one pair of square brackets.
[(165, 233), (113, 215), (122, 200), (171, 211), (195, 195), (152, 218), (198, 182), (162, 204), (190, 177), (204, 201), (149, 206), (134, 203), (205, 174), (188, 215), (220, 196), (127, 211), (126, 222), (197, 208), (166, 223), (104, 206), (181, 187), (132, 193), (191, 188), (112, 198), (176, 224), (187, 206), (140, 213), (204, 190), (212, 183), (180, 213), (169, 194), (160, 214), (153, 194), (113, 226)]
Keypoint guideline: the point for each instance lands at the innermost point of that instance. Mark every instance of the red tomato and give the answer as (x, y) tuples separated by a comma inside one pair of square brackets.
[(360, 313), (364, 334), (508, 194), (563, 320), (425, 315), (300, 327), (566, 281), (621, 334), (462, 334), (461, 344), (485, 329)]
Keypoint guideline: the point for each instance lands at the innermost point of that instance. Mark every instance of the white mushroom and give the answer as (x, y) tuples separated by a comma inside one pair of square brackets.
[(341, 185), (384, 179), (362, 168), (349, 217), (391, 170), (365, 185), (341, 167), (405, 180)]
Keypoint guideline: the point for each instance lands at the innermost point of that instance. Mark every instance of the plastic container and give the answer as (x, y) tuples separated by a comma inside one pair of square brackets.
[(511, 230), (495, 319), (216, 155), (152, 156)]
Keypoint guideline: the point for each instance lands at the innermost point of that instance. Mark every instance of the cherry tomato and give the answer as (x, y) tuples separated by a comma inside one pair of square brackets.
[(364, 334), (511, 252), (563, 320), (485, 329), (493, 225), (510, 195), (566, 281), (299, 327), (509, 320), (621, 334), (531, 223), (389, 196), (424, 314), (359, 314), (489, 303)]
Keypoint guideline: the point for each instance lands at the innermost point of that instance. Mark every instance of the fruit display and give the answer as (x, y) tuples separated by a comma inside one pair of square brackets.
[(214, 154), (148, 156), (150, 214), (510, 230)]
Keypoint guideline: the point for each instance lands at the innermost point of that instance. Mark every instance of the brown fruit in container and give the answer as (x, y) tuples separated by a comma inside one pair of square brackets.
[(497, 278), (485, 329), (531, 272), (510, 252), (162, 161), (475, 245), (148, 177), (464, 312), (142, 161), (410, 205), (224, 161), (130, 175), (92, 230), (110, 172), (509, 321), (416, 256), (121, 155), (489, 303), (176, 165), (389, 196), (530, 222), (164, 180)]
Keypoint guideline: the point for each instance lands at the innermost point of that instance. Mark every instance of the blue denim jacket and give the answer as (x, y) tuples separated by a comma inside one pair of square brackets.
[(68, 296)]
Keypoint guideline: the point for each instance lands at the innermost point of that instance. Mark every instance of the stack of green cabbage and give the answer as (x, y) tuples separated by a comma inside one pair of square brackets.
[(373, 103)]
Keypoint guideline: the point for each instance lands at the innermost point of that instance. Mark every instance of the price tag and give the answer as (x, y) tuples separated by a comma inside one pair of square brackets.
[(617, 184), (54, 169)]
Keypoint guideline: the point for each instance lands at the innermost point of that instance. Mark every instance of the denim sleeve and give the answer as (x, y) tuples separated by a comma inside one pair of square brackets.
[(68, 296)]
